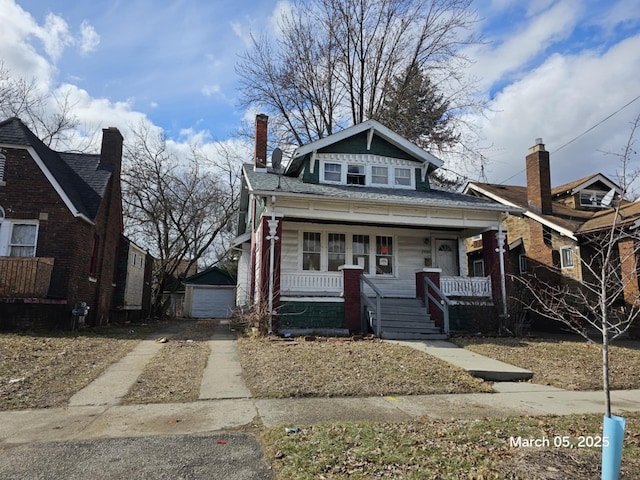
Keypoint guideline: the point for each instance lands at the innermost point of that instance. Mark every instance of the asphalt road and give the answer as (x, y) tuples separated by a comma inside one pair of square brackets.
[(186, 457)]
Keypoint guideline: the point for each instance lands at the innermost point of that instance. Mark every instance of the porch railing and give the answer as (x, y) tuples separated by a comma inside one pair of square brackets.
[(441, 301), (369, 307), (466, 286), (25, 277), (316, 283)]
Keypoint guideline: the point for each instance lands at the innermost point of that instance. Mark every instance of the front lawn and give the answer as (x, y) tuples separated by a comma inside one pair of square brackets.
[(447, 449), (337, 368), (567, 362)]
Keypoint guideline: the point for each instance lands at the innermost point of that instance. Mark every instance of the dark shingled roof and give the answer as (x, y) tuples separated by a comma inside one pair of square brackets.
[(269, 182), (80, 175)]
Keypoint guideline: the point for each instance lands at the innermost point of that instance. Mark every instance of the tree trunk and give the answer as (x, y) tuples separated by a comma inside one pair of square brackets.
[(605, 369)]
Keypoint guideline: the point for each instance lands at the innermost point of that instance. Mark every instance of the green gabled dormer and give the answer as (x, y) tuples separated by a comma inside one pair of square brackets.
[(365, 155)]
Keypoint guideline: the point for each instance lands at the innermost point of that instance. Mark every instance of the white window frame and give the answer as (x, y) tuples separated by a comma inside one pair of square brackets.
[(343, 172), (362, 174), (9, 235), (386, 175), (566, 257), (596, 194), (3, 164), (340, 172)]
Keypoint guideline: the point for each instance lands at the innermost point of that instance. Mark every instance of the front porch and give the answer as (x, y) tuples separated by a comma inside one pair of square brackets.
[(389, 308)]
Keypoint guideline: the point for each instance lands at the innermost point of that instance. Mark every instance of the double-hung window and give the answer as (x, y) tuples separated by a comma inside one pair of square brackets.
[(360, 247), (311, 250), (566, 257), (403, 176), (356, 175), (332, 172), (337, 251), (379, 175), (23, 240), (384, 255)]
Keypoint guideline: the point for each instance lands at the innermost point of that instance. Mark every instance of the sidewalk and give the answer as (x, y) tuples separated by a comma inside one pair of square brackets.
[(225, 403)]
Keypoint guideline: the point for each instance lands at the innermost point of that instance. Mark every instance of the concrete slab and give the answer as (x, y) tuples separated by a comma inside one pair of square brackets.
[(222, 377), (475, 364), (309, 411), (520, 387), (171, 418)]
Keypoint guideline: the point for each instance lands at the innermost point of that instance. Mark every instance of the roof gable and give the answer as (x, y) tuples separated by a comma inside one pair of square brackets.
[(593, 182), (211, 276), (78, 178), (367, 137)]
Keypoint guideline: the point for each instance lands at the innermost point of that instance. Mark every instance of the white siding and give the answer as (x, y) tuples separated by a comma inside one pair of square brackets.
[(134, 283), (243, 278)]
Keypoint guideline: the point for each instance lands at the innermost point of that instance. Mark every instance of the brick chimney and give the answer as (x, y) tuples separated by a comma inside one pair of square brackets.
[(111, 150), (538, 178), (260, 158)]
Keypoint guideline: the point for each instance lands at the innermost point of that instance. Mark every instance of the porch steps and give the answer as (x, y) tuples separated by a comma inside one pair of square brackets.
[(407, 319)]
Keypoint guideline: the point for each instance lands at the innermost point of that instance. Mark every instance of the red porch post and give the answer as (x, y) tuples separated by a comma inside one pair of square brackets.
[(434, 275), (268, 228), (491, 255), (351, 292)]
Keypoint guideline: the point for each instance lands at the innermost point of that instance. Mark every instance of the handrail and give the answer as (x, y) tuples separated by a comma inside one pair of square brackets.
[(443, 304), (369, 303)]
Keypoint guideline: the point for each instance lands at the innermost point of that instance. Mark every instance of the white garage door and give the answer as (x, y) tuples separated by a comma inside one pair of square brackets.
[(212, 302)]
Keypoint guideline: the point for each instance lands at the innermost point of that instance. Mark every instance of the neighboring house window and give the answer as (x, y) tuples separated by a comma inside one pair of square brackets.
[(380, 175), (403, 176), (522, 262), (311, 248), (23, 240), (360, 247), (478, 268), (3, 161), (337, 251), (566, 257), (546, 235), (93, 265), (332, 172), (384, 255), (356, 175), (591, 199)]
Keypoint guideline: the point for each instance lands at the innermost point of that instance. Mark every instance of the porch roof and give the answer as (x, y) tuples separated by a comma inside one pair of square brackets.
[(269, 183)]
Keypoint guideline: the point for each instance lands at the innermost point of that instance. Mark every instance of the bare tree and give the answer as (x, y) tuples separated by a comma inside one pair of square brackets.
[(336, 61), (49, 115), (182, 209), (607, 299)]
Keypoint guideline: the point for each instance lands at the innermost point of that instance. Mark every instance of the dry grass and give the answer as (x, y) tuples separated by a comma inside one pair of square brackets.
[(564, 361), (175, 374), (44, 369), (280, 369), (428, 448)]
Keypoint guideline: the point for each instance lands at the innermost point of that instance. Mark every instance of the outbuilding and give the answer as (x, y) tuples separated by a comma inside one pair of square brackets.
[(210, 294)]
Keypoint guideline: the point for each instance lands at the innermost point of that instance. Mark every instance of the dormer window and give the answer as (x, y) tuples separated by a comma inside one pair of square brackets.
[(379, 176), (592, 199), (332, 172), (403, 176), (356, 175)]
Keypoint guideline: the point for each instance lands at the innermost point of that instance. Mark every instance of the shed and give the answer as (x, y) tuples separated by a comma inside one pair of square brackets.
[(210, 294)]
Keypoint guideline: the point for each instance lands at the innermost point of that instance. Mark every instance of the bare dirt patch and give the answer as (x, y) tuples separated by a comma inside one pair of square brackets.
[(563, 361), (175, 374), (45, 368), (323, 368)]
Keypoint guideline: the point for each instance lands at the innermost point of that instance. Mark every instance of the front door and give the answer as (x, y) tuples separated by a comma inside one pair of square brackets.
[(447, 256)]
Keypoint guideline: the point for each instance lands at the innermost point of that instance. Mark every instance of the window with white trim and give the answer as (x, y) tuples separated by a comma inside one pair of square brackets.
[(379, 175), (337, 251), (333, 172), (3, 161), (23, 240), (360, 247), (403, 176), (566, 257), (356, 175), (311, 251), (384, 255)]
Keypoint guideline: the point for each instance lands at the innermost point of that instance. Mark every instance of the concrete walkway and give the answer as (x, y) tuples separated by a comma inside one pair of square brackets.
[(226, 404)]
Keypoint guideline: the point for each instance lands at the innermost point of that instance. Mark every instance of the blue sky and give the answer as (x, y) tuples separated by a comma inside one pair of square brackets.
[(549, 68)]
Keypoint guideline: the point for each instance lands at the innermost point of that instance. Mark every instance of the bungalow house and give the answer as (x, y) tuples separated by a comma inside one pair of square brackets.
[(555, 233), (345, 235), (60, 228)]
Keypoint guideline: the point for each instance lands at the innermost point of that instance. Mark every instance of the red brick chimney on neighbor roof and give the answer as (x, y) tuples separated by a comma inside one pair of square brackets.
[(111, 150), (260, 158), (538, 178)]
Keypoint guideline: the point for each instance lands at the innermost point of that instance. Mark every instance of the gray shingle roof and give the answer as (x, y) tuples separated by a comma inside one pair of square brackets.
[(80, 175), (270, 182)]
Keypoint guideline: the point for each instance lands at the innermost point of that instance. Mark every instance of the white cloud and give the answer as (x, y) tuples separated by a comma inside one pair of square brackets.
[(89, 38), (558, 101), (211, 90), (55, 36)]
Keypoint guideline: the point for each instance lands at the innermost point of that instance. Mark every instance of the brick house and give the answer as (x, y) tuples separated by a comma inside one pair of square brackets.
[(60, 229), (553, 235), (348, 234)]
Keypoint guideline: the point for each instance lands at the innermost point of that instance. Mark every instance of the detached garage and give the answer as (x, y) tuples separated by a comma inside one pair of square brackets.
[(210, 294)]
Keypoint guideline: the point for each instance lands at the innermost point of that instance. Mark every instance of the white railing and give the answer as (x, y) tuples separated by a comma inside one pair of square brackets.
[(312, 283), (466, 286)]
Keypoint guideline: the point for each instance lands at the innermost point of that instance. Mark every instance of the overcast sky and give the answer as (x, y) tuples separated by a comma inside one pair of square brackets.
[(549, 68)]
